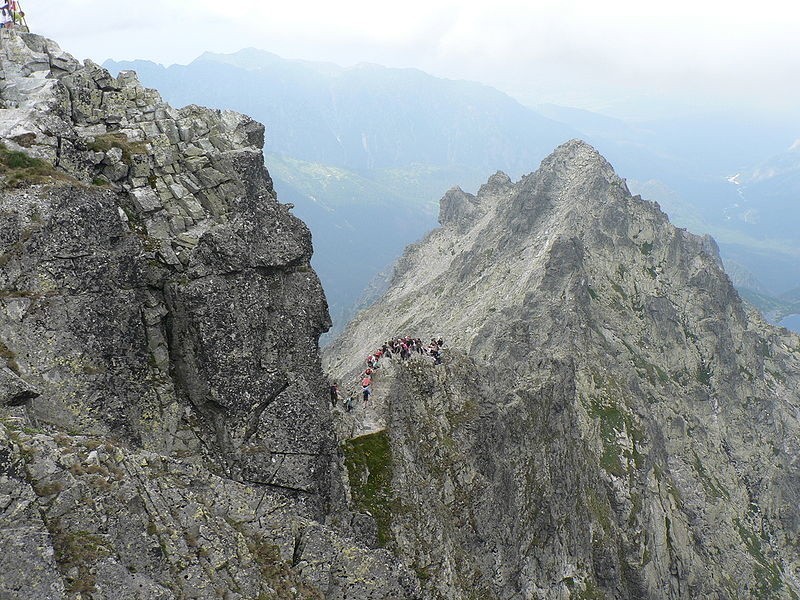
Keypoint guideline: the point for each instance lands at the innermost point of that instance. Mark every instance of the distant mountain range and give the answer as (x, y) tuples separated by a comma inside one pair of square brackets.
[(770, 191), (364, 117), (365, 153)]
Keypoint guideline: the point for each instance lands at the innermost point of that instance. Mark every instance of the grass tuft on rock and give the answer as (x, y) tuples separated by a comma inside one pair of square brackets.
[(277, 573), (368, 459), (18, 169), (76, 553), (106, 141)]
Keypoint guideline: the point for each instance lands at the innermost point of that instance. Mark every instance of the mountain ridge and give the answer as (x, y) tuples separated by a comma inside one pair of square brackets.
[(371, 121), (338, 96), (603, 383), (608, 419)]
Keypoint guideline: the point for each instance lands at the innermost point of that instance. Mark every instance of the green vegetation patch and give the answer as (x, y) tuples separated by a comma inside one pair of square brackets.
[(654, 374), (747, 374), (703, 375), (711, 484), (423, 573), (610, 460), (81, 550), (599, 509), (283, 582), (590, 592), (368, 459), (768, 575), (469, 413), (763, 348), (608, 408), (19, 170), (106, 141)]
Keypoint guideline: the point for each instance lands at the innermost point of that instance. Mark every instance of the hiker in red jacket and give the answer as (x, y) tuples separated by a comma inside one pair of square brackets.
[(365, 387)]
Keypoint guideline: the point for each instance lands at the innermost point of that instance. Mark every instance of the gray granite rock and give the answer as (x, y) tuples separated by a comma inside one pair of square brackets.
[(87, 518), (610, 419), (13, 390), (223, 265), (155, 296)]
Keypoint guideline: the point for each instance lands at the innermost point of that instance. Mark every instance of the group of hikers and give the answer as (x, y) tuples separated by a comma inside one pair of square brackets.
[(401, 348), (11, 14)]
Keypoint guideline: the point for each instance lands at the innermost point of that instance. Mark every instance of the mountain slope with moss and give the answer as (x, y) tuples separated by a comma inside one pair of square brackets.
[(610, 419)]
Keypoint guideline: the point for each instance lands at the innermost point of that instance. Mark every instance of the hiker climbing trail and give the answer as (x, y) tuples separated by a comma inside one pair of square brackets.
[(12, 16)]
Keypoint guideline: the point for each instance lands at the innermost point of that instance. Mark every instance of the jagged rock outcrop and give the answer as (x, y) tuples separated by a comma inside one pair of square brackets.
[(610, 419), (15, 391), (162, 295), (159, 326)]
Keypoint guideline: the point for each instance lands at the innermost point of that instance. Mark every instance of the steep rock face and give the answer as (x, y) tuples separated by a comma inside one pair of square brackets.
[(163, 295), (157, 308), (610, 419)]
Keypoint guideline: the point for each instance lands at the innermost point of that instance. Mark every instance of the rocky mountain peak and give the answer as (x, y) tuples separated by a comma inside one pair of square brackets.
[(576, 158), (608, 418), (497, 183), (149, 216), (603, 383), (462, 210), (458, 208)]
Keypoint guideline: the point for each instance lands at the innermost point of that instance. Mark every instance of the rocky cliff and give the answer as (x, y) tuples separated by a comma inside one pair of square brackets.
[(165, 431), (610, 420), (148, 292)]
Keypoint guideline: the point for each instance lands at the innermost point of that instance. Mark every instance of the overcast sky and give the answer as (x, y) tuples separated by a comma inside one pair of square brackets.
[(594, 54)]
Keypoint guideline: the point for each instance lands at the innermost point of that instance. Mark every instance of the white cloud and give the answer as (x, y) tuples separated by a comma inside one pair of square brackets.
[(713, 50)]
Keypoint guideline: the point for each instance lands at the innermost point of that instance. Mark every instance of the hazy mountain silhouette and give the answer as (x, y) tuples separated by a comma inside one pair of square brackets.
[(397, 138), (365, 116)]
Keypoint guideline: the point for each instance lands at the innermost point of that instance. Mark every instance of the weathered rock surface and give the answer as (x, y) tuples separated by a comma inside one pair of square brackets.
[(173, 306), (15, 391), (86, 516), (157, 308), (610, 419)]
